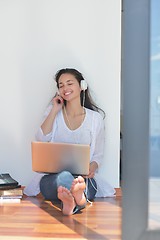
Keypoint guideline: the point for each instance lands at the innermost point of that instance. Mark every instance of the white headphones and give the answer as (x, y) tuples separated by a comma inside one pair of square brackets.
[(83, 85)]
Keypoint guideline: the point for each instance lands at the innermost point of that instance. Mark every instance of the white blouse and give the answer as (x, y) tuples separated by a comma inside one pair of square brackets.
[(90, 132)]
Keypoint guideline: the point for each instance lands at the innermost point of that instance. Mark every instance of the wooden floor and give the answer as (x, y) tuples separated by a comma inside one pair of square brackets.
[(35, 218), (154, 204)]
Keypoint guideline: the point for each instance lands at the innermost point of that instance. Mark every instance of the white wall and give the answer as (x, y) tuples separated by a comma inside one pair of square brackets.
[(38, 37)]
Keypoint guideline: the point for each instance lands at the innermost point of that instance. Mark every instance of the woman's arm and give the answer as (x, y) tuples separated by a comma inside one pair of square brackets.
[(92, 169), (44, 132), (47, 125), (98, 134)]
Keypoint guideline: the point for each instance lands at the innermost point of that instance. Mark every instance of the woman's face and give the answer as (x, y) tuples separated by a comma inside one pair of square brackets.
[(69, 87)]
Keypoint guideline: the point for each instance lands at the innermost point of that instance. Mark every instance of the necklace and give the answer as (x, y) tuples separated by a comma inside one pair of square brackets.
[(70, 125)]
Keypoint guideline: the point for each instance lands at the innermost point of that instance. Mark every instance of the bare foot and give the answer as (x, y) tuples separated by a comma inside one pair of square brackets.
[(77, 190), (67, 199)]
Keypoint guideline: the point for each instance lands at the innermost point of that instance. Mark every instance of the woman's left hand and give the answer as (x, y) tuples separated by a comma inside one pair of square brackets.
[(92, 169)]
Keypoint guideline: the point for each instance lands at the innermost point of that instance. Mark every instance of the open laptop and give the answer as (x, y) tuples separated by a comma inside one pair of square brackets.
[(49, 157)]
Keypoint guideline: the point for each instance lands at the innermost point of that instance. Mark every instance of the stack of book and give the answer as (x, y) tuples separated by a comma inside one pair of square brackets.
[(10, 190)]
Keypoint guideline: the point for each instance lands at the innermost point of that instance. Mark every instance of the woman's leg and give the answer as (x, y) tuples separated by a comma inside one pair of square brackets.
[(50, 183), (77, 190), (64, 187), (68, 202), (74, 199), (91, 188)]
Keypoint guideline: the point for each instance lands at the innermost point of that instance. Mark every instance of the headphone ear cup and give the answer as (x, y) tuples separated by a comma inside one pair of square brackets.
[(84, 85)]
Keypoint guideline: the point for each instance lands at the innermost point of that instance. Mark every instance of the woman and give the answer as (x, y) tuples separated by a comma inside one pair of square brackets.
[(73, 117)]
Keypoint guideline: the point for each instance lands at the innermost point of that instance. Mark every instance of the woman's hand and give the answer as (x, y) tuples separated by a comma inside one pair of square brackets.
[(57, 102), (92, 169)]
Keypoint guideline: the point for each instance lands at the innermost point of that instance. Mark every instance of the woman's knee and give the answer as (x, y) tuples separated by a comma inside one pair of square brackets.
[(48, 186), (65, 179), (50, 183)]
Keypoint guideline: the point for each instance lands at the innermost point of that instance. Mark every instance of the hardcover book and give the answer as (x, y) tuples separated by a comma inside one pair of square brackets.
[(11, 192)]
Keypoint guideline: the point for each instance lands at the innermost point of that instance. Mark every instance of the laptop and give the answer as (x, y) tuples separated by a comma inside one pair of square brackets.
[(49, 157)]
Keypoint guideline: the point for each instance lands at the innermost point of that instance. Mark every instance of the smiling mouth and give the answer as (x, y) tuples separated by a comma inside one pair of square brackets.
[(68, 93)]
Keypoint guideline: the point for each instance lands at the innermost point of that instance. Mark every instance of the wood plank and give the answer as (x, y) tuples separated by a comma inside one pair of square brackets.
[(34, 217)]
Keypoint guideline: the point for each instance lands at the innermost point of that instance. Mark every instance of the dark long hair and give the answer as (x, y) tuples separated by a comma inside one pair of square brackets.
[(88, 103)]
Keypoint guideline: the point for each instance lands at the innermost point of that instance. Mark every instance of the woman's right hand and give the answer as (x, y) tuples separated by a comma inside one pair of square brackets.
[(57, 102)]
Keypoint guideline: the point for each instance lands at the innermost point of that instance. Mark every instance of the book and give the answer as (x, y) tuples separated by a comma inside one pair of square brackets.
[(9, 200), (7, 181), (11, 197), (11, 192), (9, 187)]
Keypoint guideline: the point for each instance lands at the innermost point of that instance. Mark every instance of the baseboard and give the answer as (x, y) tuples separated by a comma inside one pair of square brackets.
[(118, 192)]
